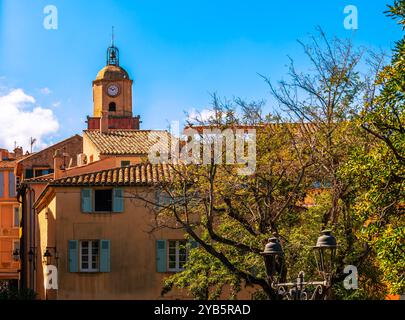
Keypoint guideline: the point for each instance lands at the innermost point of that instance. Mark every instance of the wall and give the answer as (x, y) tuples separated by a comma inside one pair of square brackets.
[(8, 232), (133, 261), (123, 101)]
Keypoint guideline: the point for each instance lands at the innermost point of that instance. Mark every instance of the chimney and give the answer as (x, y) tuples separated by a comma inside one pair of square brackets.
[(58, 165), (18, 152), (104, 122)]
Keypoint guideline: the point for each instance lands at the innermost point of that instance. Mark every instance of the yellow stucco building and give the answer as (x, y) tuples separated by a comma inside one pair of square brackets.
[(98, 236)]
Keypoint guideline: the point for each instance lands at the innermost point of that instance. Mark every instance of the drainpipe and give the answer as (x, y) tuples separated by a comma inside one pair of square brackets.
[(23, 240), (32, 238)]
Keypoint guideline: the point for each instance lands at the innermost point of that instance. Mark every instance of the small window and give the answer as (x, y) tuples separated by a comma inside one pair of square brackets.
[(125, 163), (16, 219), (89, 256), (112, 106), (29, 173), (103, 200), (42, 172), (177, 255)]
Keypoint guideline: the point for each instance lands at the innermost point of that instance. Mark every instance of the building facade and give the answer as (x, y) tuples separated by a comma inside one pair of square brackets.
[(98, 235), (9, 219), (38, 164)]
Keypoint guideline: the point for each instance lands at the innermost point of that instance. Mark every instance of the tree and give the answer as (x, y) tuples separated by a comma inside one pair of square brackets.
[(376, 170), (299, 157)]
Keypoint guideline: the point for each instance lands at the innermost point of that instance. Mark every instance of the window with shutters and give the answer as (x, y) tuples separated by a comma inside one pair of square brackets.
[(89, 255), (103, 200), (177, 255)]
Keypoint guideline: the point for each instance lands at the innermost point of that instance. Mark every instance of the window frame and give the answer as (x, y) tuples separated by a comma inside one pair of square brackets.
[(42, 169), (90, 256), (94, 200), (16, 210), (178, 243)]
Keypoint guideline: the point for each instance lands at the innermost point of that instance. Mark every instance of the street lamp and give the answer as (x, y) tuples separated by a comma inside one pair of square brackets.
[(16, 255), (273, 255), (47, 256), (325, 252)]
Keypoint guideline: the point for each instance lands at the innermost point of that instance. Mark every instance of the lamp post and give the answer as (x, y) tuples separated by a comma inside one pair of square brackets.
[(325, 252), (16, 255), (48, 255)]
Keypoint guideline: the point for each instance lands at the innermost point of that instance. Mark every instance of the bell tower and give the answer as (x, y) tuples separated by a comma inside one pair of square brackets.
[(112, 94)]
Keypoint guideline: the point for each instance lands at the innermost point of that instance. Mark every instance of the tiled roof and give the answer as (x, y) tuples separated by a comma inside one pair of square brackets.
[(41, 179), (140, 174), (125, 142), (7, 164), (54, 146)]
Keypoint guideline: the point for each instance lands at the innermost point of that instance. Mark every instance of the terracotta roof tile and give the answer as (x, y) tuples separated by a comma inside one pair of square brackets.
[(117, 142), (139, 174), (41, 179)]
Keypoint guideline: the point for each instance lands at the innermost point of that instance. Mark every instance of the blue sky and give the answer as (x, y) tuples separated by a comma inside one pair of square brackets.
[(177, 52)]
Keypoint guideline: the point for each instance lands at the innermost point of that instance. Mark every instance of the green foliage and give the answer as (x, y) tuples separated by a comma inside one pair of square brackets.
[(15, 294), (376, 168), (355, 151)]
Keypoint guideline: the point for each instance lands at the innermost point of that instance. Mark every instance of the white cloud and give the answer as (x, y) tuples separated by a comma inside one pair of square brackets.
[(203, 115), (21, 118), (45, 91)]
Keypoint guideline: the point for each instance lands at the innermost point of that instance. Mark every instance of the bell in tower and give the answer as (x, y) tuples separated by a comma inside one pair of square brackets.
[(113, 54)]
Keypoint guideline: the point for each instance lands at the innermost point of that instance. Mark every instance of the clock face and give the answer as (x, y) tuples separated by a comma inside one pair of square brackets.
[(113, 90)]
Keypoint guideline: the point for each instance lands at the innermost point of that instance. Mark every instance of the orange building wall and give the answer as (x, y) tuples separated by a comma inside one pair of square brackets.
[(8, 233)]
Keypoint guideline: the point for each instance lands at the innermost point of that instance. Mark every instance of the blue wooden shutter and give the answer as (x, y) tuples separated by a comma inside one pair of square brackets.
[(161, 256), (1, 184), (105, 256), (11, 184), (118, 200), (87, 203), (73, 255)]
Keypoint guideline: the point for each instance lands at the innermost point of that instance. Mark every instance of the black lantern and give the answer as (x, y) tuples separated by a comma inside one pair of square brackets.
[(47, 256), (273, 257), (325, 252), (16, 255)]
